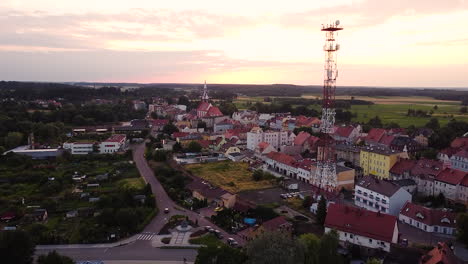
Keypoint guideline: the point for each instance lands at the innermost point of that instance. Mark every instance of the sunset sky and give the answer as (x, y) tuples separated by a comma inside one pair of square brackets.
[(421, 43)]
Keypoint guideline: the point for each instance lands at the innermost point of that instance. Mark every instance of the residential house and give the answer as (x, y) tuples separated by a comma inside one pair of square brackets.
[(447, 182), (114, 143), (374, 230), (277, 224), (275, 138), (39, 215), (428, 219), (374, 136), (422, 135), (306, 141), (424, 173), (349, 153), (157, 125), (223, 126), (402, 169), (459, 160), (380, 195), (379, 160), (348, 134), (213, 195), (264, 148), (441, 254), (405, 143)]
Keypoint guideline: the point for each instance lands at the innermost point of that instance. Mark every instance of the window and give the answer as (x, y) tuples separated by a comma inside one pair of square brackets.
[(350, 235), (371, 196), (365, 194), (384, 201), (371, 204), (377, 199), (370, 241), (359, 191)]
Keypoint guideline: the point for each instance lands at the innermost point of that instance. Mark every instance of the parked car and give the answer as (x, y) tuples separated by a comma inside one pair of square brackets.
[(230, 240), (166, 210), (207, 228), (211, 230), (218, 234)]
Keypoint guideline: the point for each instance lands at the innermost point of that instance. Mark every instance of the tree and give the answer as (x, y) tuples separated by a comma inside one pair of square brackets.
[(170, 129), (54, 258), (222, 254), (373, 261), (177, 147), (436, 107), (307, 202), (160, 155), (433, 124), (375, 122), (257, 175), (328, 252), (462, 228), (183, 100), (16, 247), (13, 139), (194, 146), (321, 211), (275, 248), (311, 244)]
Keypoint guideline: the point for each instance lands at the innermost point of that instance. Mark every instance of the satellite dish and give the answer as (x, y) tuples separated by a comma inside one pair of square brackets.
[(337, 22)]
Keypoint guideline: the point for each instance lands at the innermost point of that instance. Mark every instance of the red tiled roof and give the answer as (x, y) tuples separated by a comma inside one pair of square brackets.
[(441, 254), (275, 223), (451, 176), (116, 138), (301, 138), (428, 216), (464, 182), (158, 122), (427, 167), (375, 134), (459, 142), (361, 222), (204, 106), (386, 140), (402, 166), (344, 131), (204, 143), (306, 164), (180, 134), (281, 158), (313, 140), (263, 145), (213, 112), (462, 153)]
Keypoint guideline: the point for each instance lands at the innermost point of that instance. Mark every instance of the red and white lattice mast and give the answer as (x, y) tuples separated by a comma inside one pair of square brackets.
[(325, 175)]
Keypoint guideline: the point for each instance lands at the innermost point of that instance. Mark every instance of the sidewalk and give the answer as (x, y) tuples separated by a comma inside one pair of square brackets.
[(101, 245)]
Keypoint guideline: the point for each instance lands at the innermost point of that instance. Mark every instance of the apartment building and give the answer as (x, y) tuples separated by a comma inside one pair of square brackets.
[(378, 161)]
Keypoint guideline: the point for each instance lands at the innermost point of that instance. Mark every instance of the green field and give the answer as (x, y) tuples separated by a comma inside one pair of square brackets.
[(388, 108), (233, 177)]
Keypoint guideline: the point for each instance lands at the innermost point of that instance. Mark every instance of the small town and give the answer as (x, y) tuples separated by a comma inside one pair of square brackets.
[(248, 132)]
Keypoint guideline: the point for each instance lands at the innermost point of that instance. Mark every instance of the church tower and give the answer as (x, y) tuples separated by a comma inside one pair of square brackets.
[(204, 97)]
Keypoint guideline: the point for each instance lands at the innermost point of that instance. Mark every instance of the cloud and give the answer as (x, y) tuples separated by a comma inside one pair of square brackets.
[(95, 30)]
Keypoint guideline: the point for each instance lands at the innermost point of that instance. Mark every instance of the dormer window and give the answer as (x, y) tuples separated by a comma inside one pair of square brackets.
[(445, 220), (419, 215)]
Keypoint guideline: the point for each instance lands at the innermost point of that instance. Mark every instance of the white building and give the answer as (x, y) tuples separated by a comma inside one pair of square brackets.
[(79, 148), (113, 144), (449, 183), (362, 227), (428, 219), (275, 138), (380, 195)]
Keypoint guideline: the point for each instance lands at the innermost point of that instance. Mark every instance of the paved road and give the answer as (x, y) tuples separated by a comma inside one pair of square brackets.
[(136, 248)]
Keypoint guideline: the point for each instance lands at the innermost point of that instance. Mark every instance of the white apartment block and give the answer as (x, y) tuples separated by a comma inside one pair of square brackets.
[(380, 195), (79, 148), (113, 144), (275, 138)]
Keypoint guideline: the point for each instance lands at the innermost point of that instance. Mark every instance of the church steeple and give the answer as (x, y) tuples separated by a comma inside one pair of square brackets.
[(204, 97)]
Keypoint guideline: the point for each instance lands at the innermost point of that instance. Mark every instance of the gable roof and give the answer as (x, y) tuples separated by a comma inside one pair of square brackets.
[(428, 216), (384, 187), (441, 254), (402, 166), (301, 138), (344, 131), (213, 112), (281, 158), (361, 222), (276, 223), (386, 139), (203, 106), (451, 176), (374, 135), (459, 142), (426, 167)]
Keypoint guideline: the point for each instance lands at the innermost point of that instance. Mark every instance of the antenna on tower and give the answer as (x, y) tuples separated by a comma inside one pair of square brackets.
[(325, 175)]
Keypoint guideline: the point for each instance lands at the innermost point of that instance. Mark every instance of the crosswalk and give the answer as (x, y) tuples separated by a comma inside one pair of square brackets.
[(146, 236)]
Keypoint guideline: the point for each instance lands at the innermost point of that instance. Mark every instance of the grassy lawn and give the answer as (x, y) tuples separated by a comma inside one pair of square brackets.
[(131, 183), (397, 113), (209, 240), (233, 177)]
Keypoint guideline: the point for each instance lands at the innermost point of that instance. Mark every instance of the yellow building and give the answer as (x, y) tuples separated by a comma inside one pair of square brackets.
[(378, 161)]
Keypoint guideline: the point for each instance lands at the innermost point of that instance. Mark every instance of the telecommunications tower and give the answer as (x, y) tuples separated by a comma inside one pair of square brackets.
[(325, 175)]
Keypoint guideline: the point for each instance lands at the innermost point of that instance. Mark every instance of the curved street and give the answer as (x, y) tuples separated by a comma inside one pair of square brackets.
[(132, 248)]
